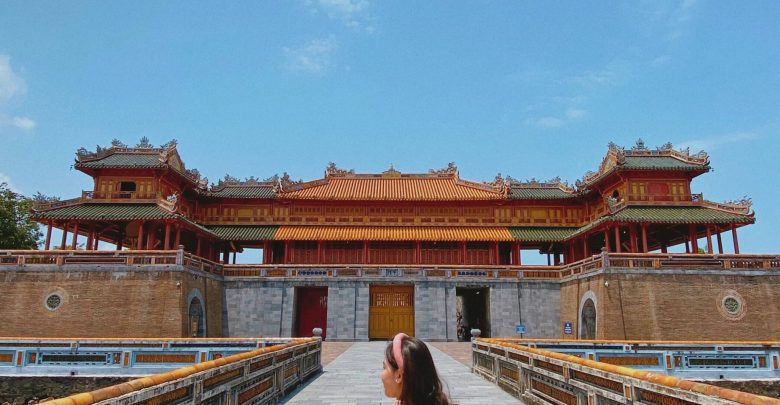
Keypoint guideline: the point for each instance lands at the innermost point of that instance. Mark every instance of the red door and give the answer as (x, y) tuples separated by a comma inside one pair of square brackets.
[(312, 310)]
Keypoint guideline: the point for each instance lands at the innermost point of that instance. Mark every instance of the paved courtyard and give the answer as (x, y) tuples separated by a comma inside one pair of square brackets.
[(353, 379)]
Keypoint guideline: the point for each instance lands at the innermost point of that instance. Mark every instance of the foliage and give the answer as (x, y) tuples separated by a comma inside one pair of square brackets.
[(17, 229)]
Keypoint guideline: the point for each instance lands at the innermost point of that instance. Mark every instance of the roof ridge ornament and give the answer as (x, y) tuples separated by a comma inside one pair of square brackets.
[(391, 172), (334, 171), (450, 170)]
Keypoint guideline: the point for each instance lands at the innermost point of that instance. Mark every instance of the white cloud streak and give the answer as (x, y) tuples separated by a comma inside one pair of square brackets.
[(714, 142), (24, 123), (7, 180), (353, 13), (11, 84), (312, 58)]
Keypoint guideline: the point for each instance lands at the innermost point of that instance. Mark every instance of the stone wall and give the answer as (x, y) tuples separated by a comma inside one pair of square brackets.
[(102, 301), (259, 308), (678, 304)]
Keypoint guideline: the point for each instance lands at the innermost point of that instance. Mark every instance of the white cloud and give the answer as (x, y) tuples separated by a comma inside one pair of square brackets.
[(312, 58), (576, 113), (549, 122), (7, 180), (661, 61), (10, 83), (353, 13), (713, 142), (25, 123)]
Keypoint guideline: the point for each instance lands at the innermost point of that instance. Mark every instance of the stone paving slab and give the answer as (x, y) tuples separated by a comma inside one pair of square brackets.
[(353, 379)]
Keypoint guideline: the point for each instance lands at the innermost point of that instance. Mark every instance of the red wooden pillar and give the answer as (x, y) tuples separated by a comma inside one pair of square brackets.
[(494, 257), (606, 239), (266, 253), (585, 247), (557, 259), (167, 243), (177, 240), (516, 253), (226, 256), (47, 245), (687, 246), (120, 240), (287, 252), (709, 239), (734, 236), (234, 256), (618, 248), (65, 226), (197, 246), (632, 235), (90, 237), (320, 251), (139, 245), (644, 238), (694, 239), (96, 240), (720, 241), (74, 242), (463, 252), (150, 236), (417, 252), (365, 252), (548, 260)]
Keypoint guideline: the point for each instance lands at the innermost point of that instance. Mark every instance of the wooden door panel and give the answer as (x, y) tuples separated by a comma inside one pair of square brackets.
[(391, 310)]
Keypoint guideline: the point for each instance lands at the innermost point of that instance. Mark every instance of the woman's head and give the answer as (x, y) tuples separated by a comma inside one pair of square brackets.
[(409, 373)]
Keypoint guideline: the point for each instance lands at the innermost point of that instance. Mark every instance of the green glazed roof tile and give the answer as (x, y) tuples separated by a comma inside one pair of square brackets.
[(659, 162), (244, 192), (126, 160), (107, 212), (686, 215), (541, 234), (244, 232), (538, 193)]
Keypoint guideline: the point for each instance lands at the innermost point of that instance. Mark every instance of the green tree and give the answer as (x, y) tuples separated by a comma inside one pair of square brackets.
[(17, 229)]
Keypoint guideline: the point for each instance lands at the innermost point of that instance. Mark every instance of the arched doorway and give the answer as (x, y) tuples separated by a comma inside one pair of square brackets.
[(588, 320), (195, 315)]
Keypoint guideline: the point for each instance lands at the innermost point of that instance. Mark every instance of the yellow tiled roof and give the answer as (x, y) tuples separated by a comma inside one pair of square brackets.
[(412, 188), (394, 233)]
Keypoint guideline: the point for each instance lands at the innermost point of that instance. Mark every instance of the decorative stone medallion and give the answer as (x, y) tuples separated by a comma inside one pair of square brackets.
[(53, 301), (731, 305)]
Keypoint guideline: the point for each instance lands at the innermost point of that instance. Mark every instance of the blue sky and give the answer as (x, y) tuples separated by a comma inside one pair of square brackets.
[(527, 89)]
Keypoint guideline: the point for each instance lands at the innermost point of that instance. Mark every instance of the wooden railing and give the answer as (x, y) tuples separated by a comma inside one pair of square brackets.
[(552, 377), (664, 261), (261, 376), (112, 197)]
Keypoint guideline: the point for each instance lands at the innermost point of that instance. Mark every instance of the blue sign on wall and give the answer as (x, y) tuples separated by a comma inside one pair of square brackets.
[(567, 328), (520, 328)]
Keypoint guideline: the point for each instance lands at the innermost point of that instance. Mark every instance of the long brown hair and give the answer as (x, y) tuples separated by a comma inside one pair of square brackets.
[(422, 385)]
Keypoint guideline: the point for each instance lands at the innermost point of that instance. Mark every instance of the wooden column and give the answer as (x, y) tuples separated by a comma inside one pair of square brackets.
[(644, 238), (516, 253), (47, 245), (585, 247), (177, 239), (226, 256), (606, 239), (557, 259), (709, 239), (120, 240), (417, 251), (266, 256), (734, 236), (140, 245), (720, 242), (65, 226), (663, 247), (687, 246), (90, 237), (632, 235), (287, 252), (694, 239), (95, 240), (167, 243), (365, 252), (320, 251), (618, 248), (150, 236), (548, 260), (234, 256), (494, 257), (463, 252), (74, 242), (198, 243)]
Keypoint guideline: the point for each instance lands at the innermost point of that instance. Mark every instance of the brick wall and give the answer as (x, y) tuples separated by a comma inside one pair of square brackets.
[(107, 302), (678, 305)]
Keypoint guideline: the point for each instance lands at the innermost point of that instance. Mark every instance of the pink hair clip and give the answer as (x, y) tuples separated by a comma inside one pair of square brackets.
[(397, 355)]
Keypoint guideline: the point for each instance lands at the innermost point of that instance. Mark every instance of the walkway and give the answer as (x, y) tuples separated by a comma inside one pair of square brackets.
[(353, 379)]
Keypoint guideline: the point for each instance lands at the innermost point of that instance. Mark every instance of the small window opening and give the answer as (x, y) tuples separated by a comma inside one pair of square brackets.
[(127, 186)]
